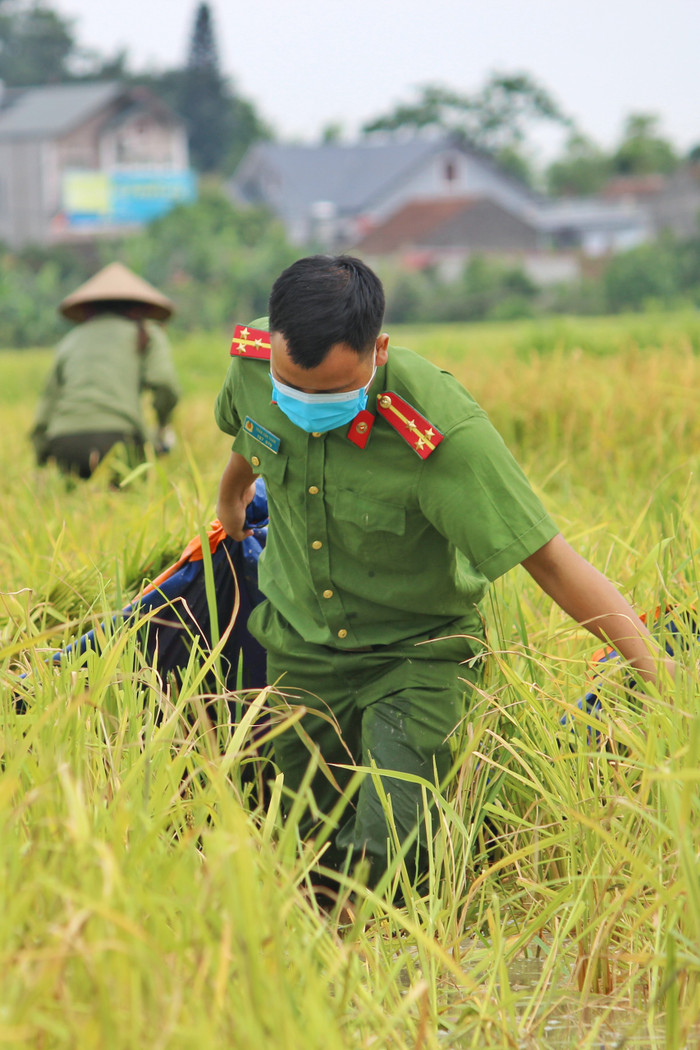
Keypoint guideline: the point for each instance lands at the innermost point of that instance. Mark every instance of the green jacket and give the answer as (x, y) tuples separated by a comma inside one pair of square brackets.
[(371, 546), (98, 377)]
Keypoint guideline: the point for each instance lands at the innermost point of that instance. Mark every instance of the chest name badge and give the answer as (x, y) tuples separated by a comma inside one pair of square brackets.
[(265, 437)]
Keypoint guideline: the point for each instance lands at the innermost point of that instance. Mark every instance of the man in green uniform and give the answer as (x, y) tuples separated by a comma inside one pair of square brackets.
[(393, 503), (92, 397)]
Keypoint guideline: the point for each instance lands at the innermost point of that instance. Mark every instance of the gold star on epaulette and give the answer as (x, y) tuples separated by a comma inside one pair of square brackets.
[(417, 431), (251, 343)]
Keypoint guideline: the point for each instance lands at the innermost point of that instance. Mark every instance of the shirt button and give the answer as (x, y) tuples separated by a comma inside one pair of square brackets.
[(342, 633), (316, 434), (313, 489), (255, 461), (328, 594), (317, 545)]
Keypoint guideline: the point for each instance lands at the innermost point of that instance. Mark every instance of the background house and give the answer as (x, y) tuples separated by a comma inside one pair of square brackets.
[(334, 194), (445, 233), (86, 159), (431, 202), (593, 226), (671, 202)]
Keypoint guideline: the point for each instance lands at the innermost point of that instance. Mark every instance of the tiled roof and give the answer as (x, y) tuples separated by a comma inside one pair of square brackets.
[(634, 186), (411, 223)]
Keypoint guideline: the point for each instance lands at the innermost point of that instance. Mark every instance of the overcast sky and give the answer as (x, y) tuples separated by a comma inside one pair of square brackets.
[(309, 63)]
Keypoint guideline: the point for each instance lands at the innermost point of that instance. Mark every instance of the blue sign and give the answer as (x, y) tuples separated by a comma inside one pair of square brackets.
[(140, 196), (120, 198)]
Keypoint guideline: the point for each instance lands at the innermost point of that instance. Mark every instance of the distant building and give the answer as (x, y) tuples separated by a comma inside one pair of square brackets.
[(671, 202), (445, 233), (476, 223), (593, 226), (634, 189), (334, 194), (430, 201), (87, 159), (677, 206)]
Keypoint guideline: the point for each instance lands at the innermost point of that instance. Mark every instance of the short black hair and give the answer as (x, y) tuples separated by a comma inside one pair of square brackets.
[(322, 300)]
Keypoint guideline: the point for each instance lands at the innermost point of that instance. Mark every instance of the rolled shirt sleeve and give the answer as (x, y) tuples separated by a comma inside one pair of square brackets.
[(225, 411), (476, 495)]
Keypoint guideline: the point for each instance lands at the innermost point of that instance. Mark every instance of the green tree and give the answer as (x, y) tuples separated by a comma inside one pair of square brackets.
[(507, 106), (649, 274), (643, 150), (332, 134), (88, 64), (217, 262), (582, 170), (495, 119), (221, 125), (213, 259), (490, 289), (487, 289), (246, 126), (516, 162), (36, 44), (202, 96)]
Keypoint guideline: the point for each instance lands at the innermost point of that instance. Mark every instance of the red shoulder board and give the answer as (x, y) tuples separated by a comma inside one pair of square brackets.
[(250, 342), (414, 428)]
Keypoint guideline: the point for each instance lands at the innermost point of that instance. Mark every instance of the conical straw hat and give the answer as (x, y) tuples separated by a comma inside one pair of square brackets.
[(117, 282)]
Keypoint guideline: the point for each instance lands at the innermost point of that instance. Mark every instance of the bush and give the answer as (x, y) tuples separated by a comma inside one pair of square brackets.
[(215, 261), (484, 290), (647, 273)]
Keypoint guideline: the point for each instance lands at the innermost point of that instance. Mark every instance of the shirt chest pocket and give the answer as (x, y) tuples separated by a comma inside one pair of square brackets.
[(272, 467), (367, 526)]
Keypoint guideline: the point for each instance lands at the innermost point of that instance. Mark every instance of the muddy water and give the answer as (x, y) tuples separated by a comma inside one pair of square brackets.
[(595, 1026), (560, 1022)]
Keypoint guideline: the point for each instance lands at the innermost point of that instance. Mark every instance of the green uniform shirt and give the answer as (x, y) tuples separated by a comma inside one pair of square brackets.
[(370, 546), (98, 377)]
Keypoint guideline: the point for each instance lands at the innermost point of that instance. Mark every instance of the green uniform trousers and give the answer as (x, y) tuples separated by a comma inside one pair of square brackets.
[(391, 705), (79, 453)]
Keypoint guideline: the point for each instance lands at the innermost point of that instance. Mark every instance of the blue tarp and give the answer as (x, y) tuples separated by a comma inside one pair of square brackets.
[(181, 610)]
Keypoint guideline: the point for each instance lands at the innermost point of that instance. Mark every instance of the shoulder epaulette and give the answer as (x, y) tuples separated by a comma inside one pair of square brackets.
[(250, 342), (414, 428)]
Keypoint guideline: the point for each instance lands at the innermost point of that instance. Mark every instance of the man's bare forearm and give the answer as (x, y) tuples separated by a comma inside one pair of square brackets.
[(590, 598), (236, 490)]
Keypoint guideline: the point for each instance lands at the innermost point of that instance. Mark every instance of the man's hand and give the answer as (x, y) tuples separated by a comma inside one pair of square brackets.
[(164, 440), (236, 490)]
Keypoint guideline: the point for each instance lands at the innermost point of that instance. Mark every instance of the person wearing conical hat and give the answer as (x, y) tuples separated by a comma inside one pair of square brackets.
[(117, 350)]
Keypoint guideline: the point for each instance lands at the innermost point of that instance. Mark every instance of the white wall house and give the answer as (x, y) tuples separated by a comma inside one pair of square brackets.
[(82, 160), (336, 195)]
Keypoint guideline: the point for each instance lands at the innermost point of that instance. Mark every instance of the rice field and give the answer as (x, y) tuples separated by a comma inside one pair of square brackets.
[(153, 893)]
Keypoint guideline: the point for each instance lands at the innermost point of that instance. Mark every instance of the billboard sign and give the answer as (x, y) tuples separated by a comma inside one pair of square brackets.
[(123, 198)]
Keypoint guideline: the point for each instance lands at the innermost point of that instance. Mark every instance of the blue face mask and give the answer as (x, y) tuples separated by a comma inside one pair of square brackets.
[(317, 413)]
